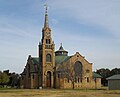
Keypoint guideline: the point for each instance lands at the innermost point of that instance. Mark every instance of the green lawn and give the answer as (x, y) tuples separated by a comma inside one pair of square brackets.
[(58, 93)]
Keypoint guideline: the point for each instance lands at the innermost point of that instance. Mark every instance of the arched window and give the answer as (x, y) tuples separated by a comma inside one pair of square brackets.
[(48, 58), (78, 70), (47, 41)]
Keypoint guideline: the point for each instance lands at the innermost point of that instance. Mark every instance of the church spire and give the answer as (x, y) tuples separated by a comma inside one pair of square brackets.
[(46, 17)]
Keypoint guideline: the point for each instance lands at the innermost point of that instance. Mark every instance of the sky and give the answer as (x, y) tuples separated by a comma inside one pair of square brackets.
[(90, 27)]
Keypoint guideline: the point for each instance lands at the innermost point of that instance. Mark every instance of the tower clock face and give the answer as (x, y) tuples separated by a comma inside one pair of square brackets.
[(47, 34)]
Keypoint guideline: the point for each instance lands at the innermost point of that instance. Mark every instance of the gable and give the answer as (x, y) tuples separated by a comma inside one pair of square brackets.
[(31, 65), (79, 57), (62, 61)]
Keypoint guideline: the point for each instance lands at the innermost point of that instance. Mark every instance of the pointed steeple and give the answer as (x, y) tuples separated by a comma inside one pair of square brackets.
[(61, 48), (46, 17), (46, 31)]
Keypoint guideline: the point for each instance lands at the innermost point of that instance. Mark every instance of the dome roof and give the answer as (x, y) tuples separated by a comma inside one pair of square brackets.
[(61, 52)]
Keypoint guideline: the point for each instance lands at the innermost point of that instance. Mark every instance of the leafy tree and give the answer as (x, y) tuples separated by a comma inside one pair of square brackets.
[(14, 80), (4, 78), (115, 71), (105, 73)]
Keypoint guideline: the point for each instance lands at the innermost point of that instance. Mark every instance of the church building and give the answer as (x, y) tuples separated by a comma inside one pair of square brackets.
[(55, 69)]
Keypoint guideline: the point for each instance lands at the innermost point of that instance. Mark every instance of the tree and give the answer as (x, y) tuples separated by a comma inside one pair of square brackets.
[(105, 73), (14, 80), (72, 72), (69, 74), (4, 79), (115, 71)]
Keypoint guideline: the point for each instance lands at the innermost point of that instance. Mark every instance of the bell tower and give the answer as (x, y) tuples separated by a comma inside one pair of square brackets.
[(46, 55)]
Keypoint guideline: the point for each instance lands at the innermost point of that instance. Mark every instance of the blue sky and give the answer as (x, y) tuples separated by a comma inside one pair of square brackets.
[(91, 27)]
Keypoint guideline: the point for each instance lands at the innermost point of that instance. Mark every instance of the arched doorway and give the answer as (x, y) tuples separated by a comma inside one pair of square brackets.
[(48, 79)]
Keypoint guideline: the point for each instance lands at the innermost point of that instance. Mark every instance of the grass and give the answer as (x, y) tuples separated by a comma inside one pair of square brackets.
[(58, 93)]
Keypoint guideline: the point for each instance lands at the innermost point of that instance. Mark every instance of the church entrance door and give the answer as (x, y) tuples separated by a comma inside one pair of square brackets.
[(48, 81)]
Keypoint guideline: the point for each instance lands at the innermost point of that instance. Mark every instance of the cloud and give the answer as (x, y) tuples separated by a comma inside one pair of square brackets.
[(88, 26), (103, 13), (10, 29)]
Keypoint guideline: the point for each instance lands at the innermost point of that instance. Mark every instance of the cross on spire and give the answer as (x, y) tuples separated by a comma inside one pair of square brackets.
[(46, 8), (60, 44), (46, 16)]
